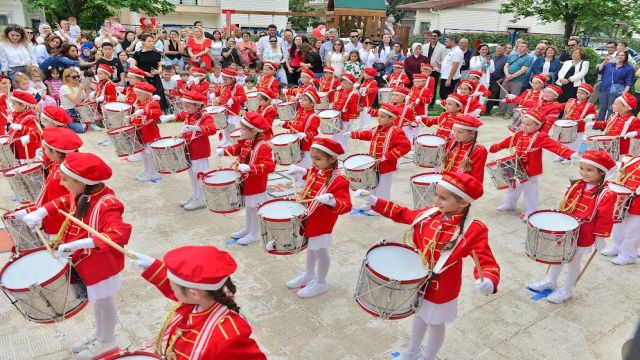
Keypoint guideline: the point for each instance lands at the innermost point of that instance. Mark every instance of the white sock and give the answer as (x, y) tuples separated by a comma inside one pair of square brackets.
[(324, 262), (573, 269), (418, 330), (310, 269), (106, 319), (252, 221), (194, 183), (435, 340), (554, 273)]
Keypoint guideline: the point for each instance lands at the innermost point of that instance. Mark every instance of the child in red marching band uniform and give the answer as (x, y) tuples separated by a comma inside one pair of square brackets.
[(452, 106), (590, 201), (530, 97), (621, 123), (626, 234), (346, 101), (480, 91), (407, 118), (54, 116), (255, 160), (443, 235), (549, 107), (106, 90), (463, 153), (206, 321), (266, 97), (134, 76), (473, 106), (328, 83), (268, 78), (397, 76), (581, 111), (5, 96), (368, 94), (230, 95), (421, 93), (198, 81), (527, 144), (144, 118), (329, 190), (25, 135), (198, 126), (306, 83), (388, 144), (97, 263)]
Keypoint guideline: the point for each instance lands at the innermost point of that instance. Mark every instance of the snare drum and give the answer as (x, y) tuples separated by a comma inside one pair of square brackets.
[(281, 224), (222, 191), (219, 114), (608, 144), (7, 156), (88, 112), (234, 136), (252, 101), (504, 172), (428, 150), (132, 355), (624, 196), (23, 238), (125, 140), (287, 110), (324, 101), (170, 155), (552, 236), (392, 281), (384, 95), (330, 122), (564, 131), (115, 114), (423, 189), (43, 288), (26, 181), (516, 119), (176, 105), (362, 171), (286, 149)]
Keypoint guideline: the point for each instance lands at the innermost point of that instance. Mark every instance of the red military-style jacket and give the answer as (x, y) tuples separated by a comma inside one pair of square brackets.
[(258, 155), (107, 89), (269, 113), (303, 88), (346, 101), (472, 105), (147, 123), (406, 118), (198, 141), (528, 99), (31, 128), (305, 121), (52, 190), (577, 110), (130, 95), (420, 97), (620, 125), (629, 176), (328, 86), (469, 158), (388, 142), (550, 110), (4, 117), (269, 81), (444, 123), (234, 91), (398, 79), (368, 92)]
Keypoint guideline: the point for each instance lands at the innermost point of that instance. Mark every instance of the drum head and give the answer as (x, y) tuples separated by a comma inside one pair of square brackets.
[(553, 221), (396, 262), (116, 106), (565, 123), (430, 140), (167, 142), (252, 95), (27, 168), (617, 188), (235, 133), (385, 90), (328, 114), (281, 209), (426, 178), (357, 161), (604, 138), (215, 109), (290, 103), (322, 94), (4, 139), (30, 269), (221, 177), (284, 139)]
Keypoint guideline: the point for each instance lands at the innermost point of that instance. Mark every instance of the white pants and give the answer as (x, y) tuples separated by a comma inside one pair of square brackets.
[(575, 146), (626, 236), (232, 120), (197, 166), (530, 189), (365, 118), (341, 138), (147, 160), (573, 270), (383, 190), (305, 163)]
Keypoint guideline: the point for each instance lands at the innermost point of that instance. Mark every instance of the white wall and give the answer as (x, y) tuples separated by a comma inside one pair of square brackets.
[(14, 11), (256, 20)]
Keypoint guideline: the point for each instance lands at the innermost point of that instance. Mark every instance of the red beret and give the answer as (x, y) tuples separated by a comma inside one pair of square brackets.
[(554, 89), (267, 92), (86, 168), (255, 121), (307, 72), (61, 139), (23, 97), (390, 109), (422, 77), (370, 72), (137, 72), (541, 78), (106, 68), (463, 185), (459, 99), (144, 87), (586, 88), (476, 73), (272, 64), (199, 267), (598, 158), (628, 100), (328, 145), (56, 115), (329, 69), (466, 122), (312, 95), (426, 66), (535, 115), (400, 90), (194, 97), (398, 64), (349, 77), (467, 83), (198, 71), (229, 73)]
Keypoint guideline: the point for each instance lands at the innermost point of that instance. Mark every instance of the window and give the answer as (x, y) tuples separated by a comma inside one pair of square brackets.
[(518, 30), (4, 20), (425, 27)]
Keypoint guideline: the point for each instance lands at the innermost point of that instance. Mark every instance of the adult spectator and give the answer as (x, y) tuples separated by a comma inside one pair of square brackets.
[(217, 44), (354, 41), (161, 38), (572, 44), (150, 61), (497, 77), (294, 60), (622, 46), (16, 52), (354, 65), (72, 93), (129, 43), (330, 37), (105, 36), (508, 49), (74, 28), (616, 78), (198, 49), (237, 34), (289, 26), (230, 54), (274, 54), (173, 50), (482, 61), (536, 53), (412, 63), (67, 57), (183, 34), (64, 33), (31, 36), (200, 25), (464, 67), (636, 91), (114, 28), (368, 54), (572, 74), (395, 56), (43, 30), (611, 50), (336, 58), (287, 41), (435, 53), (515, 71), (264, 42), (49, 48), (111, 60), (383, 50), (450, 68), (248, 50), (547, 65), (313, 61)]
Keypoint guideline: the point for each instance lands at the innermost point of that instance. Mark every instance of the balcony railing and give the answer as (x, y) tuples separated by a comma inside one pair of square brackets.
[(196, 2)]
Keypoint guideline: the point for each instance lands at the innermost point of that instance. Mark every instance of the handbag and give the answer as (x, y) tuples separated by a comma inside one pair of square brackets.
[(615, 88)]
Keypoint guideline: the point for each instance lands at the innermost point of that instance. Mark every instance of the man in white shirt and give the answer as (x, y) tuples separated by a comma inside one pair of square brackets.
[(450, 68), (287, 42), (435, 52), (354, 42), (263, 43), (64, 32), (330, 37)]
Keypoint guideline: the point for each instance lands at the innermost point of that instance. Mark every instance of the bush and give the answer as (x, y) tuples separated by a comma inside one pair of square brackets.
[(593, 59)]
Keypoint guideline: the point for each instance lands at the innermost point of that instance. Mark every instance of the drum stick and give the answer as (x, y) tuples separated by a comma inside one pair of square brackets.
[(333, 126), (6, 210), (497, 100), (97, 234), (305, 200), (366, 164), (26, 153), (501, 87), (44, 241), (478, 268), (586, 266)]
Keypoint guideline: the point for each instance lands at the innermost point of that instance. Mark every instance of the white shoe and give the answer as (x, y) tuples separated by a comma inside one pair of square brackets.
[(149, 177), (407, 354), (609, 251), (542, 285), (312, 289), (142, 174), (239, 234), (83, 343), (365, 207), (247, 239), (371, 213), (185, 201), (301, 280), (195, 205), (622, 259), (96, 349), (271, 245), (559, 296), (565, 162), (506, 207), (94, 127), (558, 159), (135, 157)]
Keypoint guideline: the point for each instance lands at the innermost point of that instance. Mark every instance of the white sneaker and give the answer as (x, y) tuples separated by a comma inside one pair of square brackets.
[(83, 343), (559, 296), (301, 280), (96, 349), (239, 234), (247, 239), (407, 354), (506, 207), (558, 159), (565, 162), (185, 201), (94, 127), (622, 259), (144, 173), (312, 289), (271, 245), (149, 177), (195, 205), (609, 251), (365, 207), (135, 157), (542, 285), (371, 213)]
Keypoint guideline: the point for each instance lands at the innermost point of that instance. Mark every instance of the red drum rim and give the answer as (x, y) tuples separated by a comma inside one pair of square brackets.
[(124, 353), (86, 103), (266, 218), (499, 160), (183, 142), (547, 262), (288, 252), (289, 103), (393, 317), (360, 169), (120, 129), (601, 138), (415, 141), (64, 269), (204, 179), (385, 278), (550, 211), (7, 215)]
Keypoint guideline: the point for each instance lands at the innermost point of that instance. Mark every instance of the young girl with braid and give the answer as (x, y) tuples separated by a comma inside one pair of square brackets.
[(443, 234), (463, 152), (206, 322)]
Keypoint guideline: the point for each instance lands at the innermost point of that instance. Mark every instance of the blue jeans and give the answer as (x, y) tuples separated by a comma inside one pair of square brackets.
[(76, 125), (170, 62), (606, 99)]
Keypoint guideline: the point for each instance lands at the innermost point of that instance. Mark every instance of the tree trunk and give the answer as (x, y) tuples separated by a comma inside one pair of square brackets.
[(569, 23)]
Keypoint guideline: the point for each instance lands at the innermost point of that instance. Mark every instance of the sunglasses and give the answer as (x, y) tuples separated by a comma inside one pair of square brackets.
[(367, 42), (353, 37), (273, 41), (29, 32), (337, 44), (74, 76)]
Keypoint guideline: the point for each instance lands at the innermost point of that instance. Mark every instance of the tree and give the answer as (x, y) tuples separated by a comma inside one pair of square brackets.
[(95, 11), (591, 16), (391, 9), (301, 22)]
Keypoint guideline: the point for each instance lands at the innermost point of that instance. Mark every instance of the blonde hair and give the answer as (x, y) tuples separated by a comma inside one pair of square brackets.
[(19, 78), (35, 70), (66, 73)]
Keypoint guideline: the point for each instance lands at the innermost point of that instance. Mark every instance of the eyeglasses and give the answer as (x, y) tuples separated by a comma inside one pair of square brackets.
[(367, 42), (353, 37), (273, 41), (29, 32), (337, 44), (75, 77)]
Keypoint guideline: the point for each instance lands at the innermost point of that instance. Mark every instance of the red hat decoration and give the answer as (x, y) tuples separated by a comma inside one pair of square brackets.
[(137, 72), (328, 145), (86, 167), (598, 158), (349, 77), (628, 100), (308, 73), (194, 97), (426, 66), (459, 99), (535, 115), (144, 88), (390, 109), (312, 95), (541, 78), (475, 73), (557, 90), (23, 97), (199, 267), (56, 115), (586, 88), (420, 77), (398, 64), (229, 73), (106, 69), (147, 24), (467, 83), (198, 71), (400, 90), (466, 122), (273, 65), (464, 185), (255, 121), (371, 72), (329, 69), (267, 92), (61, 139)]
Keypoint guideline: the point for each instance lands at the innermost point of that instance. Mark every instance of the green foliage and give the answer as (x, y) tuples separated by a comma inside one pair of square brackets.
[(593, 59), (391, 8), (301, 22)]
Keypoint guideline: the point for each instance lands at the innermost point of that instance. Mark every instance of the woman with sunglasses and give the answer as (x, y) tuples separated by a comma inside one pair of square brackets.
[(336, 58), (30, 35), (72, 93), (16, 51), (274, 53)]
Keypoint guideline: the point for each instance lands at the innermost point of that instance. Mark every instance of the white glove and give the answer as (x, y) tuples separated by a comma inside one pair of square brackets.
[(600, 243), (475, 113), (196, 80), (219, 152), (367, 196), (190, 128), (589, 117), (414, 124), (92, 95), (121, 98), (230, 102), (100, 98), (511, 96), (504, 100), (356, 85), (417, 101), (478, 93), (138, 112), (418, 118), (278, 123), (339, 88), (285, 91), (275, 102), (244, 168), (631, 134), (384, 77), (589, 125), (295, 169), (439, 103), (39, 153), (363, 92), (143, 261), (34, 218), (65, 250), (16, 127), (166, 118), (575, 156), (326, 199), (20, 214), (301, 136), (484, 286), (212, 96), (25, 140), (347, 134)]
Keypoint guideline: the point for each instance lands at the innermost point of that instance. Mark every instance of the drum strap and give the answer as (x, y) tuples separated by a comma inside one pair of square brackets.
[(626, 126)]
